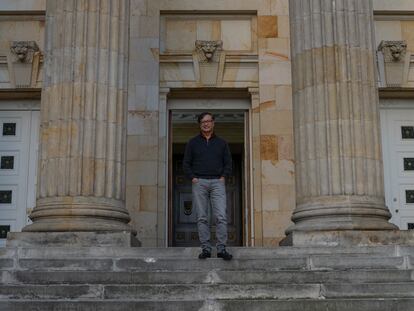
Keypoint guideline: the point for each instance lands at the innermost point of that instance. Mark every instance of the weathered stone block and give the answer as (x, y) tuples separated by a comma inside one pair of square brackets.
[(71, 239)]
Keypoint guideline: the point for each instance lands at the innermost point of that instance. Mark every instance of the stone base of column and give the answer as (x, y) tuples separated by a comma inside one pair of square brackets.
[(341, 212), (348, 238), (79, 214), (71, 239)]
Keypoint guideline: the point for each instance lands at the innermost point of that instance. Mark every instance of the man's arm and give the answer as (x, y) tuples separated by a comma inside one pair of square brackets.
[(187, 162), (227, 162)]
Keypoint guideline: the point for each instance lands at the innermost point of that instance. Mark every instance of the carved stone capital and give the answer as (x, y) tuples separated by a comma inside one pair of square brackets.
[(393, 51), (208, 51), (24, 50)]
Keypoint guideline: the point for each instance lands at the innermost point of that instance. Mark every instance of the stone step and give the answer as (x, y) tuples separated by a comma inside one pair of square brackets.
[(285, 278), (181, 292), (313, 262), (213, 305), (192, 252), (6, 263), (153, 264), (379, 304), (369, 290), (207, 277), (162, 291), (260, 291)]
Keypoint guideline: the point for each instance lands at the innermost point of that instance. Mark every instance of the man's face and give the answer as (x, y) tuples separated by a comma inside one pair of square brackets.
[(207, 124)]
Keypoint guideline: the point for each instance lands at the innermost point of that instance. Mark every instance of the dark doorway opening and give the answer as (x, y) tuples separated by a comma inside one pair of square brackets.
[(229, 125)]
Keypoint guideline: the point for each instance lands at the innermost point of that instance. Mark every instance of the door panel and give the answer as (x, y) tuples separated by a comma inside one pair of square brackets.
[(398, 150), (18, 157), (184, 216)]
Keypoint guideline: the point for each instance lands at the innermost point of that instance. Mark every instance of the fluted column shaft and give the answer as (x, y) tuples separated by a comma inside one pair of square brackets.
[(82, 148), (339, 179)]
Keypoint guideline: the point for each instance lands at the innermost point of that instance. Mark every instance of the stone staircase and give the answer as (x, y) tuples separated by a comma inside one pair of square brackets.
[(285, 278)]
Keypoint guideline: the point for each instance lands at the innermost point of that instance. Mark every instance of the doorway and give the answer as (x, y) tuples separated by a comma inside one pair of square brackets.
[(231, 125)]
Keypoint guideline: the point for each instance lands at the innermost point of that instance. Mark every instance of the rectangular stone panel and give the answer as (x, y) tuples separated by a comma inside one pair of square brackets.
[(179, 33), (236, 35), (240, 72), (267, 26), (208, 30), (269, 147)]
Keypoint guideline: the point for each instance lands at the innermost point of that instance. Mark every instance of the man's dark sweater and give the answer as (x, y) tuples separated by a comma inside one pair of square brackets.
[(207, 158)]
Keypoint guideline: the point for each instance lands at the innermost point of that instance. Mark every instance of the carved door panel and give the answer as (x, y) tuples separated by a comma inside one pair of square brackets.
[(184, 215)]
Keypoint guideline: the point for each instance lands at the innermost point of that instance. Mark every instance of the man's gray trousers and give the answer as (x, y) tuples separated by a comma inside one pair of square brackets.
[(213, 191)]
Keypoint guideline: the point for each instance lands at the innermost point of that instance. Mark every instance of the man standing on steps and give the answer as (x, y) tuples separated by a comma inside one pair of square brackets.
[(207, 162)]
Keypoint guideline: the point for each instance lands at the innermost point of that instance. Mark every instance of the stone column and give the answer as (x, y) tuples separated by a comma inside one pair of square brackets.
[(339, 172), (81, 183)]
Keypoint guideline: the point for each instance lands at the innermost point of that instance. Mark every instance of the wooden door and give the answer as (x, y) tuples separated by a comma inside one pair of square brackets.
[(184, 231)]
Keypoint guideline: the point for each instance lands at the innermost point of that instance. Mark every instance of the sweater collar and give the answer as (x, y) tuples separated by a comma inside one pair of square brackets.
[(213, 135)]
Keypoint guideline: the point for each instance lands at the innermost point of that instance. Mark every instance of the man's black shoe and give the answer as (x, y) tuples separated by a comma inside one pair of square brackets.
[(204, 254), (225, 255)]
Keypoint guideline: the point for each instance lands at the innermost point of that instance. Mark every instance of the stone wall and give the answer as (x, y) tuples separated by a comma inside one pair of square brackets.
[(143, 179), (256, 44), (273, 118)]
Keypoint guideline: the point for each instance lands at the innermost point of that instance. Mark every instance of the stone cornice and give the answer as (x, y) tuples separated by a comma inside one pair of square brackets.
[(396, 92), (29, 93)]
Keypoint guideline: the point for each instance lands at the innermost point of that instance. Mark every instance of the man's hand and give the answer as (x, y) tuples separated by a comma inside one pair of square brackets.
[(194, 180), (222, 178)]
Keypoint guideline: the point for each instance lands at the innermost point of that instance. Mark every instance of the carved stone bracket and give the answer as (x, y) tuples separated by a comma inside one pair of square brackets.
[(24, 50), (209, 60), (208, 51), (393, 59), (25, 63), (393, 51)]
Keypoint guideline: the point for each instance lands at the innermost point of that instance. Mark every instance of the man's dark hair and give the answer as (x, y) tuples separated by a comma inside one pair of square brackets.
[(203, 114)]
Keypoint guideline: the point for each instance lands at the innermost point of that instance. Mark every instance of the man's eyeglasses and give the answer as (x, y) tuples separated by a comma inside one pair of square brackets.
[(206, 121)]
